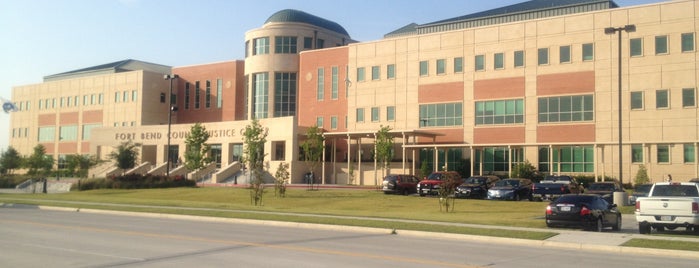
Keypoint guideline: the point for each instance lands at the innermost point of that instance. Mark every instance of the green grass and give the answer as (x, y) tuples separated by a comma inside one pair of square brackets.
[(662, 244)]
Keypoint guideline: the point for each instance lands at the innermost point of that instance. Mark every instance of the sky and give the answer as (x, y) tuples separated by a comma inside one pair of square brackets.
[(45, 37)]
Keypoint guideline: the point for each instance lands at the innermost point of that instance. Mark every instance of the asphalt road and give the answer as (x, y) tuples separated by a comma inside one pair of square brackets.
[(45, 238)]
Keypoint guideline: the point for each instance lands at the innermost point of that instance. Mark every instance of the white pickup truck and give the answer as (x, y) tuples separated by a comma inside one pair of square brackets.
[(669, 205)]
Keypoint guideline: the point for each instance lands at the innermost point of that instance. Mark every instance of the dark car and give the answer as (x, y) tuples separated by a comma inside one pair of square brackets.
[(431, 184), (640, 190), (604, 189), (475, 186), (400, 184), (511, 189), (589, 211)]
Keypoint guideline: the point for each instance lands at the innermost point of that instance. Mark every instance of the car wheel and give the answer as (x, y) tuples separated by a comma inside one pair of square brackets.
[(599, 225), (517, 197), (643, 228), (617, 226), (405, 192), (421, 194), (696, 229)]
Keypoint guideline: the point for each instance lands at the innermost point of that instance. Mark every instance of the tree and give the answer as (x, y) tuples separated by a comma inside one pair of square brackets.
[(253, 156), (524, 170), (313, 150), (38, 163), (384, 148), (281, 177), (641, 176), (10, 160), (446, 193), (197, 154), (125, 155), (79, 164)]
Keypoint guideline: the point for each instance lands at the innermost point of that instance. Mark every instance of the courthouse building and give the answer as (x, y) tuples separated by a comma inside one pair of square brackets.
[(536, 81)]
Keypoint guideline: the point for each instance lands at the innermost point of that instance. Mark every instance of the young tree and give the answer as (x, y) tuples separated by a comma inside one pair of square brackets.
[(125, 155), (313, 150), (641, 176), (79, 164), (253, 156), (10, 160), (524, 170), (197, 154), (38, 163), (384, 148), (281, 177)]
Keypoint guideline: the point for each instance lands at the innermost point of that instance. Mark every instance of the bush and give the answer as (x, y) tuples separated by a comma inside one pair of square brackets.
[(134, 181), (11, 181)]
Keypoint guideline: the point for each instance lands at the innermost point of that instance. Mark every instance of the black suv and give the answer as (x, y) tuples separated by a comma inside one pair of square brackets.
[(475, 186), (400, 184)]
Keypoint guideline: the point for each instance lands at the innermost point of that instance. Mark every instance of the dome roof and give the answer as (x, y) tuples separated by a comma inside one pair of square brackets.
[(291, 15)]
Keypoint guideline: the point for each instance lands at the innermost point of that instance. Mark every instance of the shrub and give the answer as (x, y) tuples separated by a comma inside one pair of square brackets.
[(133, 181)]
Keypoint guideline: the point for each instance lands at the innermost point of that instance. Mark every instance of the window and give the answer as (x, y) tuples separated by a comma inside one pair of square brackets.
[(588, 52), (661, 44), (360, 114), (500, 112), (124, 96), (163, 98), (662, 99), (519, 58), (564, 54), (247, 49), (134, 95), (543, 56), (636, 100), (688, 99), (237, 152), (375, 114), (480, 62), (207, 95), (320, 43), (186, 96), (333, 122), (424, 67), (687, 42), (308, 42), (100, 98), (499, 60), (40, 104), (391, 71), (391, 113), (47, 133), (663, 153), (197, 95), (566, 109), (319, 121), (260, 46), (284, 94), (68, 133), (335, 82), (279, 150), (116, 98), (441, 66), (375, 73), (636, 47), (442, 114), (689, 155), (636, 153), (458, 65), (360, 74), (285, 44), (219, 93), (320, 87), (260, 95), (92, 100), (574, 159)]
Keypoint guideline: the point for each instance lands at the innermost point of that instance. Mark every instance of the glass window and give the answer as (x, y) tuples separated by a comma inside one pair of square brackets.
[(134, 96), (186, 96), (480, 62), (319, 121), (688, 98), (543, 56), (68, 133), (207, 95), (588, 51), (424, 67), (308, 42), (87, 131), (458, 65), (500, 112), (689, 155), (375, 73), (662, 99), (197, 95), (360, 114), (519, 58), (219, 93), (391, 71), (360, 74), (285, 44), (390, 113), (335, 82), (499, 60), (566, 109), (637, 153), (564, 53), (375, 114), (47, 134), (333, 122), (284, 94), (441, 66), (687, 42), (260, 46), (260, 95), (663, 153), (116, 98), (442, 114), (636, 45), (636, 100), (124, 96), (661, 44), (320, 43), (100, 98), (320, 87)]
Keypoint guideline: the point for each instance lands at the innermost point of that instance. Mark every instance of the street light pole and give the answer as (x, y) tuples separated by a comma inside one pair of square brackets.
[(612, 30), (171, 108)]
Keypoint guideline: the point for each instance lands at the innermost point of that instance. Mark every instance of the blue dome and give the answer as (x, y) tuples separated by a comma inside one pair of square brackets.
[(291, 15)]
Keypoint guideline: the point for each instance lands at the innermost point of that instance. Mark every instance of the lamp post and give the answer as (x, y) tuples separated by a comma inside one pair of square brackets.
[(613, 30), (171, 108)]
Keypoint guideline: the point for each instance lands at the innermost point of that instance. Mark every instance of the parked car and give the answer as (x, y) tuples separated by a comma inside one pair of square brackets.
[(431, 184), (605, 189), (511, 189), (552, 187), (475, 186), (640, 190), (669, 205), (589, 211), (400, 184)]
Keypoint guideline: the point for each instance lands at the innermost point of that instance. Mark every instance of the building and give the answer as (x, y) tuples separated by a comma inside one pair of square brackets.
[(533, 82)]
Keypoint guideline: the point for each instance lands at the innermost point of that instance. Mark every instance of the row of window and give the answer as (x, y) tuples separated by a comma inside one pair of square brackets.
[(208, 102), (71, 101), (66, 133), (20, 132), (282, 45), (376, 114), (662, 153), (123, 96), (662, 99), (285, 89)]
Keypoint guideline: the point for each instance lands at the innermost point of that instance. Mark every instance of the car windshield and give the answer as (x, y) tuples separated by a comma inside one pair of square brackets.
[(475, 180), (574, 199), (507, 183), (675, 190), (601, 187), (644, 188), (437, 176)]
